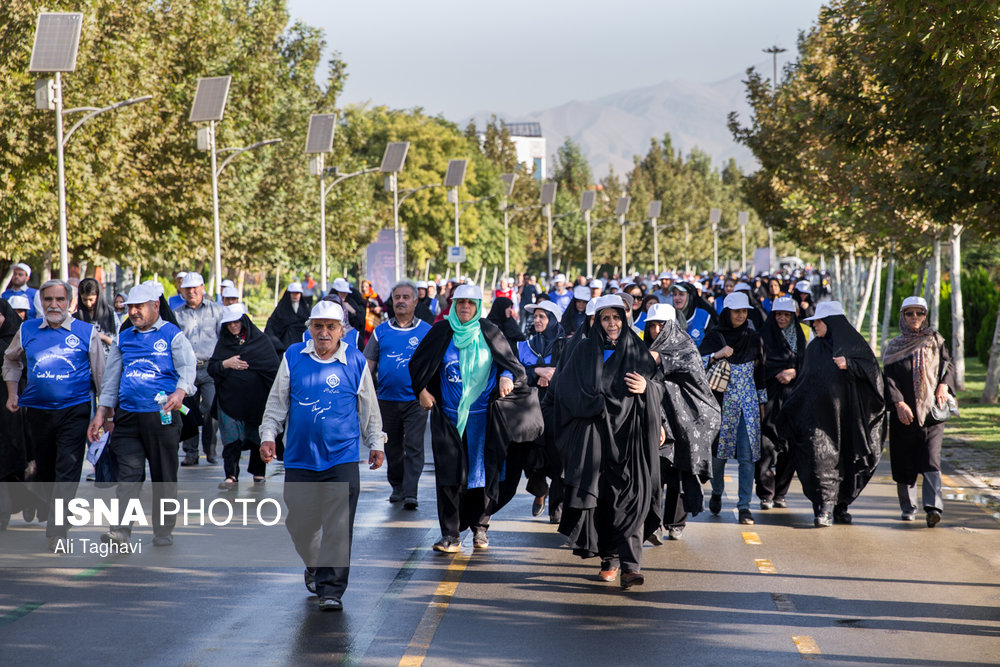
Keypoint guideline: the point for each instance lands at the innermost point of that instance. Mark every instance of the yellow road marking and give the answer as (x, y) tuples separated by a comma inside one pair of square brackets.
[(807, 646), (751, 538), (765, 566), (420, 643), (949, 482)]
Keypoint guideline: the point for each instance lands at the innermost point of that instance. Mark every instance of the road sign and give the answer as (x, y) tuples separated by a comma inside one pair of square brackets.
[(456, 254)]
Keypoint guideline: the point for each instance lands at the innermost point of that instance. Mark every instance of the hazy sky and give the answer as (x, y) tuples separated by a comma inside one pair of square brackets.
[(516, 56)]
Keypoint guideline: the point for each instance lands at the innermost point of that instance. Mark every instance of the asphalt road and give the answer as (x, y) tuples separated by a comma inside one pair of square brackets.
[(878, 592)]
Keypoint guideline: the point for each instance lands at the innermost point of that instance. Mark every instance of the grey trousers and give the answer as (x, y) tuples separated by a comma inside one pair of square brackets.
[(404, 423), (931, 491), (206, 391)]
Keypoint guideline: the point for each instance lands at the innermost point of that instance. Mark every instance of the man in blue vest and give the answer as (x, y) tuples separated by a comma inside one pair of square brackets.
[(388, 352), (324, 392), (64, 358), (152, 356), (19, 286)]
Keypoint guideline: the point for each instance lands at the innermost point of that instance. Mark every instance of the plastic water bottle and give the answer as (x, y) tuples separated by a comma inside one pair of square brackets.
[(166, 418)]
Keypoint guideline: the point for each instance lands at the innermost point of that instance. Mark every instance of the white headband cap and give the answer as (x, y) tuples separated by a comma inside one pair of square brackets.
[(736, 301), (192, 279), (826, 309), (232, 313), (547, 306), (661, 312), (468, 292), (783, 304), (327, 310), (913, 302)]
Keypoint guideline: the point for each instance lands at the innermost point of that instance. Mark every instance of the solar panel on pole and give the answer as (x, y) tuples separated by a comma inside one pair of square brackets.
[(743, 217), (57, 39), (319, 138), (715, 215), (621, 208), (548, 194), (210, 99), (587, 200), (455, 175), (508, 181), (394, 157), (654, 209)]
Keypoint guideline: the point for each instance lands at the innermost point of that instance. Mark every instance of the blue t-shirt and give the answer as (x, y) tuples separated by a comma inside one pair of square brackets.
[(58, 364), (323, 428), (528, 358), (147, 367), (561, 300), (395, 349), (29, 293), (176, 301)]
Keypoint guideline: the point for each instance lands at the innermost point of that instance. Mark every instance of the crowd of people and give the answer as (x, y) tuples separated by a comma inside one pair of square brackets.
[(616, 399)]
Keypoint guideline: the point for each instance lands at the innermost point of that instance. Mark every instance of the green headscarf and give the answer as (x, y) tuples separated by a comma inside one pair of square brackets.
[(475, 360)]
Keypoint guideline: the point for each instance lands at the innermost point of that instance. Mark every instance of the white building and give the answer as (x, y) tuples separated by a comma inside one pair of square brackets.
[(530, 145)]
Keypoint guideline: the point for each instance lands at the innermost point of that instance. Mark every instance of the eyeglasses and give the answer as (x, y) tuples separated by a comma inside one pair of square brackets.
[(913, 313)]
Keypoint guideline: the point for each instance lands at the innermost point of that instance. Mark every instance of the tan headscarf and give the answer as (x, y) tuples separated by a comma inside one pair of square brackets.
[(924, 345)]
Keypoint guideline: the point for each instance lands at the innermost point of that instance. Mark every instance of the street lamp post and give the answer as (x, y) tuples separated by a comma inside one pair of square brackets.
[(587, 200), (453, 180), (392, 163), (547, 200), (653, 212), (743, 218), (714, 216), (508, 182), (621, 209), (774, 51)]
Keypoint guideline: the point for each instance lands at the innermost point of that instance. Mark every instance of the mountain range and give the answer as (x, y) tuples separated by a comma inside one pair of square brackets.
[(610, 130)]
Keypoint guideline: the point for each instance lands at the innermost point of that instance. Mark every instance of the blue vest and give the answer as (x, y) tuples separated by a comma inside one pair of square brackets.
[(697, 323), (561, 300), (58, 365), (147, 367), (451, 385), (323, 428), (29, 293), (395, 349), (529, 358)]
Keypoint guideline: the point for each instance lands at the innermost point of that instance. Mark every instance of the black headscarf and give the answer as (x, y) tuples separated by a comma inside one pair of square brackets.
[(102, 315), (285, 326), (507, 325), (695, 300), (543, 342), (573, 318), (11, 323), (806, 306), (778, 354), (745, 341), (243, 394)]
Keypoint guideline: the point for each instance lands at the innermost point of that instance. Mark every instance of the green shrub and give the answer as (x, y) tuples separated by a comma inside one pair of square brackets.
[(984, 335)]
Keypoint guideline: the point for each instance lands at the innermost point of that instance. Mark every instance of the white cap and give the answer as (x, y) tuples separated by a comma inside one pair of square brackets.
[(581, 292), (468, 292), (783, 304), (803, 286), (592, 306), (614, 284), (180, 275), (736, 301), (227, 283), (232, 313), (341, 285), (545, 305), (24, 267), (292, 287), (143, 293), (559, 278), (18, 302), (913, 302), (826, 309), (679, 286), (664, 275), (741, 287), (327, 310), (596, 283), (608, 301), (192, 279), (156, 286), (661, 312), (421, 284), (230, 293)]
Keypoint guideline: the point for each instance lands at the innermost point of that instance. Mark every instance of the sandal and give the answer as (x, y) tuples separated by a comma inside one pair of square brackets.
[(228, 484)]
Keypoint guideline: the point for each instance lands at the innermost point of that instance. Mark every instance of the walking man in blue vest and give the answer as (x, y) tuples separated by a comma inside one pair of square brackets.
[(324, 391), (19, 287), (388, 352), (64, 358), (151, 357)]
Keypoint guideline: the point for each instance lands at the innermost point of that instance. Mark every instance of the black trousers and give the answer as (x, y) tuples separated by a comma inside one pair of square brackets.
[(140, 437), (404, 423), (460, 508), (59, 440), (206, 396), (674, 515), (314, 525), (774, 474), (523, 458), (232, 451)]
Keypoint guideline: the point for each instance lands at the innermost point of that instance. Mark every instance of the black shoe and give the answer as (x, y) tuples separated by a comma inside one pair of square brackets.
[(767, 504), (933, 517), (395, 496), (211, 459), (190, 461), (715, 504), (555, 514), (410, 503), (538, 506), (676, 533), (480, 540), (841, 515), (28, 514), (91, 477), (448, 545), (54, 543), (746, 518), (630, 579), (310, 577), (331, 604), (908, 516), (822, 520), (163, 540), (780, 502), (656, 539), (116, 536)]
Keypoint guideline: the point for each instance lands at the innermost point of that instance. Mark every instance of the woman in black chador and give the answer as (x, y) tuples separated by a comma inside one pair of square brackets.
[(918, 376), (287, 323), (607, 412), (834, 420)]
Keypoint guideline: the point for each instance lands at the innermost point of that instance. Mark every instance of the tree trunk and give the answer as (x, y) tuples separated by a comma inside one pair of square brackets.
[(6, 279), (876, 291), (859, 316), (887, 312), (277, 280), (46, 267), (838, 289), (993, 369), (919, 288), (935, 300), (957, 313), (852, 284)]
